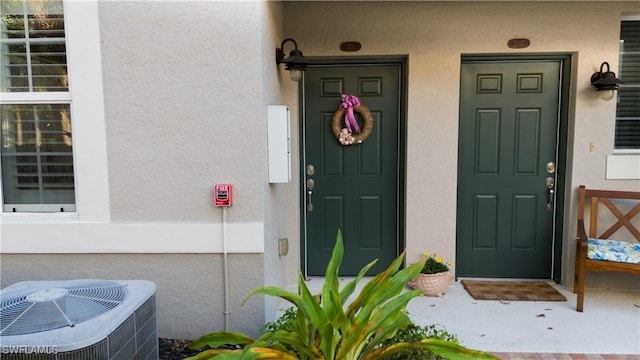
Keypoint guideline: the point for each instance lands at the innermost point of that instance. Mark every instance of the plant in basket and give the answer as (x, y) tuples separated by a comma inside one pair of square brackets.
[(434, 264), (434, 277)]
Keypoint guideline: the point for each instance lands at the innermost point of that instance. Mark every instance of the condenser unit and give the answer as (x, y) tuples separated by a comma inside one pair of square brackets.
[(79, 319)]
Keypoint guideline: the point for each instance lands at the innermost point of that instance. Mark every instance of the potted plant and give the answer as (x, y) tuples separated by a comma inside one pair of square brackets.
[(434, 277)]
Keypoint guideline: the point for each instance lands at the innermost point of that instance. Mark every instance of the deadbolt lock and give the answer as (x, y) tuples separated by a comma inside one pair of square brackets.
[(310, 170), (551, 167)]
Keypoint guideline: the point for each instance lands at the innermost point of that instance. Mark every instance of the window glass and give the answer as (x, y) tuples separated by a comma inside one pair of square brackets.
[(33, 46), (37, 155), (628, 110), (36, 140)]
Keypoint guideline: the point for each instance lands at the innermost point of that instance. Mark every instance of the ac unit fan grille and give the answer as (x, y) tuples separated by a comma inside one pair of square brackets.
[(51, 308)]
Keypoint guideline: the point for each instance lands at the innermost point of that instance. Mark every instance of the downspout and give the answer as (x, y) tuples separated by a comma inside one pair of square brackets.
[(227, 313)]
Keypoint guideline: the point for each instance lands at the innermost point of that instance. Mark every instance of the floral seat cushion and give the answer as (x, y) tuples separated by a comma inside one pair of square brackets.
[(612, 250)]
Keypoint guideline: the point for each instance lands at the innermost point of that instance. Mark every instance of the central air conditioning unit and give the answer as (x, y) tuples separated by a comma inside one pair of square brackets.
[(79, 319)]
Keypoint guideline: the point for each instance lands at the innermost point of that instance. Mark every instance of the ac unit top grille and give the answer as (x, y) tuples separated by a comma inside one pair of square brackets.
[(48, 307)]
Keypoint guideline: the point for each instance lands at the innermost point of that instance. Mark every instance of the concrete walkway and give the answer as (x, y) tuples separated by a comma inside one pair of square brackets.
[(609, 326)]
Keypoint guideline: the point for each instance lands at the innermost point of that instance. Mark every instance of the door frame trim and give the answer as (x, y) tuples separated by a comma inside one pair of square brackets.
[(565, 60), (358, 61)]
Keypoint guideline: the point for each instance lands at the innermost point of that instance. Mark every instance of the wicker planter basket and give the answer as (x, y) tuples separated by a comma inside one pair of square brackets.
[(432, 284)]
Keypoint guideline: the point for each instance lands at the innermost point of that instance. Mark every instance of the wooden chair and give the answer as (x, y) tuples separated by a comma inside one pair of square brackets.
[(583, 263)]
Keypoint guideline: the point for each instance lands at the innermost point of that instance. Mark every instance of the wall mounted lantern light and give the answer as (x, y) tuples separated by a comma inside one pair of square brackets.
[(606, 81), (295, 63)]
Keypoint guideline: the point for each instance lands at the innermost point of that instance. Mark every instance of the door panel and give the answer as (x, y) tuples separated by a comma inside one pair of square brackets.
[(355, 188), (508, 134)]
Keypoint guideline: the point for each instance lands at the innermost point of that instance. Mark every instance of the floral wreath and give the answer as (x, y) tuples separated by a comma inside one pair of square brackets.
[(351, 134)]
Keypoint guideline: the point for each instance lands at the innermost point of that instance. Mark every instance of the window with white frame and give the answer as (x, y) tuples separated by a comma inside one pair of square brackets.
[(627, 136), (35, 111)]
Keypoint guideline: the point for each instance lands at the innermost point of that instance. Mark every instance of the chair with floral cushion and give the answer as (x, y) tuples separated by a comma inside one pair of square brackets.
[(598, 252)]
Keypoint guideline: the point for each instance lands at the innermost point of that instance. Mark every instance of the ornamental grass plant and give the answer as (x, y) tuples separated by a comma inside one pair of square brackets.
[(325, 326), (412, 333)]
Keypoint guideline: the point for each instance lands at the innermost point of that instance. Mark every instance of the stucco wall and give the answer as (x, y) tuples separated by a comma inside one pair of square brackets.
[(186, 89), (186, 86), (434, 35), (183, 92), (188, 286), (280, 210), (182, 95)]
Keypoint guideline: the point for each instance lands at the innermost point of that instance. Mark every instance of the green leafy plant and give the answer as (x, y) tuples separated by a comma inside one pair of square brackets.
[(434, 264), (327, 328), (414, 333), (286, 321)]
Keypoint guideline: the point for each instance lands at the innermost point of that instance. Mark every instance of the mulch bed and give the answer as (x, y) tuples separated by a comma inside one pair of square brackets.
[(174, 349)]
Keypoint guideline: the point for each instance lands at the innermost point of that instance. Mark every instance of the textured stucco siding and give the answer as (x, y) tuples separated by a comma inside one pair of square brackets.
[(184, 111), (281, 201), (434, 36), (189, 287), (186, 88), (182, 97), (185, 108)]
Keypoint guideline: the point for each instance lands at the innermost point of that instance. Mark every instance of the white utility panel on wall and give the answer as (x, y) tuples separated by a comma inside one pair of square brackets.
[(279, 143)]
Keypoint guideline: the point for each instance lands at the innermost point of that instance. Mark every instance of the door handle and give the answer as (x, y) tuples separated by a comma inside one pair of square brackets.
[(310, 185), (550, 193)]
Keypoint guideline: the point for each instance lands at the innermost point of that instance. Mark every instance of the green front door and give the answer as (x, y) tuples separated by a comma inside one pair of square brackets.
[(354, 188), (506, 161)]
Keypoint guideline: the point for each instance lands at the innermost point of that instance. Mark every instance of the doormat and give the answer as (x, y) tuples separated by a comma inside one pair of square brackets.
[(512, 290)]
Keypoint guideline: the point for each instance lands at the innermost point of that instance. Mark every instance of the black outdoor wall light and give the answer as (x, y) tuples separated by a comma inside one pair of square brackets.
[(295, 63), (606, 81)]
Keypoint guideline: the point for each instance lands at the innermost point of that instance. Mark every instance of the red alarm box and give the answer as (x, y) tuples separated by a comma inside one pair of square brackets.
[(223, 194)]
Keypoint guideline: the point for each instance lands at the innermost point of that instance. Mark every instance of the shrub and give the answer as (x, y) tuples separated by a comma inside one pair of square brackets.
[(325, 327), (412, 333)]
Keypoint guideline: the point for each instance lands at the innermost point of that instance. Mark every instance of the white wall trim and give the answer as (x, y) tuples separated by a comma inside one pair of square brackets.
[(82, 238), (623, 167), (84, 60)]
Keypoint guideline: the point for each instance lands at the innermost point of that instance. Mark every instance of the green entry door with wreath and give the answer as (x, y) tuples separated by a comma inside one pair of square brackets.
[(508, 137), (352, 187)]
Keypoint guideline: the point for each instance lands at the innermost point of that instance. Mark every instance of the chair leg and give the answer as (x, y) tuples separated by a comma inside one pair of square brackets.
[(578, 286), (578, 275), (580, 303)]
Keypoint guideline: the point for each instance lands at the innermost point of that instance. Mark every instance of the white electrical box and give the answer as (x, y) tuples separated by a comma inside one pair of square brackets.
[(279, 143)]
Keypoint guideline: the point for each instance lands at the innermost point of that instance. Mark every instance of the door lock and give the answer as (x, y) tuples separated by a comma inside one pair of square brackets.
[(550, 193), (310, 185)]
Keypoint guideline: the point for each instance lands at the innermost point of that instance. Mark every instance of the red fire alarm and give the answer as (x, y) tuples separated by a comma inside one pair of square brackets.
[(223, 194)]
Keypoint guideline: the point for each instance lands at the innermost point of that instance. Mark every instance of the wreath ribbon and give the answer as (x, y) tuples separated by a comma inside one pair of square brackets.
[(348, 103)]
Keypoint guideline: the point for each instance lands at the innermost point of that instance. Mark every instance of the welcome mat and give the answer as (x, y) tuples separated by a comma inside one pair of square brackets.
[(512, 290)]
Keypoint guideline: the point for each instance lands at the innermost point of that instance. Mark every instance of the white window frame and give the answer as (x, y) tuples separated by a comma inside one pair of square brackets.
[(624, 164), (628, 151), (87, 115)]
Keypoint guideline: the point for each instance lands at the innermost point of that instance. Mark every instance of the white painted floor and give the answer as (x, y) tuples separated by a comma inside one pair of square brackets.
[(610, 323)]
